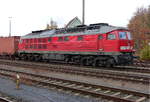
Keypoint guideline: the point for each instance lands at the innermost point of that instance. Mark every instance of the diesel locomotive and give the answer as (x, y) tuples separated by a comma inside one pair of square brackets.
[(96, 44)]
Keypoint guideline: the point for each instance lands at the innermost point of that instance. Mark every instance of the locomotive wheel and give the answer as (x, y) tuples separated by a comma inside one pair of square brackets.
[(99, 62), (32, 58), (67, 60), (95, 64), (36, 58), (84, 61), (23, 57), (110, 63), (29, 58)]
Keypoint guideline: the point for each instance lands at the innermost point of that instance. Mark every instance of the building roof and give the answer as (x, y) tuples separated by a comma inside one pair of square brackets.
[(73, 23)]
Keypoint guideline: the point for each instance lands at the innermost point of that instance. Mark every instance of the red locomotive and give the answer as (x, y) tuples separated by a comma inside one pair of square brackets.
[(97, 44)]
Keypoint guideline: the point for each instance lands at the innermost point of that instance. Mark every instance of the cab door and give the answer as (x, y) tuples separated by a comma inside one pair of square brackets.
[(111, 42), (100, 43)]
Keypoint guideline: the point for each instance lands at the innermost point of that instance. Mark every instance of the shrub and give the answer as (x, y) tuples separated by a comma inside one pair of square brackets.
[(145, 53)]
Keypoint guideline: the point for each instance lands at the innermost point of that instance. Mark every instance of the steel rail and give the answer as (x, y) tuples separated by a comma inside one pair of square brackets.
[(119, 68), (2, 99)]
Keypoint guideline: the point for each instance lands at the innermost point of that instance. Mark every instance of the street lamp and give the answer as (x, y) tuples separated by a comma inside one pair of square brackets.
[(10, 26), (83, 12)]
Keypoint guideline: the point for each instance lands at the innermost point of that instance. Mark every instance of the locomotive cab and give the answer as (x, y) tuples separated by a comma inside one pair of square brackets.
[(118, 45), (117, 41), (125, 41), (125, 47)]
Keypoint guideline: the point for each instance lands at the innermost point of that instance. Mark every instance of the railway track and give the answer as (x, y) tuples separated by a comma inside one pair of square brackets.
[(98, 91), (2, 99), (43, 64), (7, 98), (134, 69), (141, 63), (98, 73)]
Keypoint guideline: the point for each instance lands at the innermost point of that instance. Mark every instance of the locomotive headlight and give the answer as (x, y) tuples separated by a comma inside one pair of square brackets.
[(126, 47), (123, 47)]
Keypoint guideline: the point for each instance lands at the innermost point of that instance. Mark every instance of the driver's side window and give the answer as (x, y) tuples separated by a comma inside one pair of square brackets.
[(111, 36)]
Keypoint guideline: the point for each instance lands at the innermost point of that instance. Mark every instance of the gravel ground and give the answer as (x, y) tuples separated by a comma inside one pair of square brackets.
[(92, 80), (35, 94)]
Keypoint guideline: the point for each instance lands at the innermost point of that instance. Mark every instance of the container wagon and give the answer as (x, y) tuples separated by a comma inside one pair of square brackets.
[(9, 46)]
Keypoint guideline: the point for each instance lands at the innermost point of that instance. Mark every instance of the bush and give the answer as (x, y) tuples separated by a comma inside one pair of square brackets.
[(145, 53)]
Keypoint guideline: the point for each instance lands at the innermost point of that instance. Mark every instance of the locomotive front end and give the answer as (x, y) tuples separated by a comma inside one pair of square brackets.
[(125, 47)]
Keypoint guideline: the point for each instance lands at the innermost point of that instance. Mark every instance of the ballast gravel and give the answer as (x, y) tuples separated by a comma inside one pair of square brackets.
[(37, 94)]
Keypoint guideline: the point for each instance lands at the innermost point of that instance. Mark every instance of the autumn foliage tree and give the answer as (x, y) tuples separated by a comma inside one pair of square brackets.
[(145, 53), (140, 27)]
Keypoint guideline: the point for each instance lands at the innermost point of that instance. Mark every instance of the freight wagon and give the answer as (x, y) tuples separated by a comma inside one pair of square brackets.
[(9, 46)]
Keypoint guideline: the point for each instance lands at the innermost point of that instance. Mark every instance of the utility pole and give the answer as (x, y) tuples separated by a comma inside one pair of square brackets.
[(83, 12), (10, 26)]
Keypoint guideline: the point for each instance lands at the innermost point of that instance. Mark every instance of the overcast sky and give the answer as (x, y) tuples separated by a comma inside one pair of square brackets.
[(29, 15)]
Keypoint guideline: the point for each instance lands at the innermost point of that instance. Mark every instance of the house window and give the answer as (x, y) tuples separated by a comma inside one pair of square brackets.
[(66, 38), (80, 38)]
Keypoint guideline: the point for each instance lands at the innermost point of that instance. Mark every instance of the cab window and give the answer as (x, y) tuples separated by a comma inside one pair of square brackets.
[(122, 35), (80, 38), (66, 38), (60, 39), (100, 37), (111, 36)]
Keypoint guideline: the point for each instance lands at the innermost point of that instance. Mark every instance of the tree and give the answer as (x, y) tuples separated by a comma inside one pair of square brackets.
[(145, 53), (52, 25), (47, 26), (140, 27)]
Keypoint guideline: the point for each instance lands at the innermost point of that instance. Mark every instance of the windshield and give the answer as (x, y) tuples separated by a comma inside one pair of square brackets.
[(122, 35), (129, 35)]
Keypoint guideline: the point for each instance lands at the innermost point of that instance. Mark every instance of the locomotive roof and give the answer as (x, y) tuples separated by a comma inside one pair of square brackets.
[(99, 28)]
